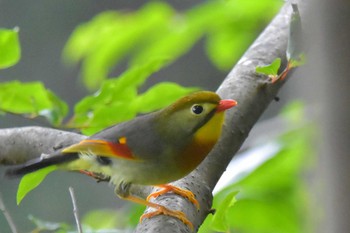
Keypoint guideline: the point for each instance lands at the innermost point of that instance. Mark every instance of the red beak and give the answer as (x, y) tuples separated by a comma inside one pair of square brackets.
[(225, 104)]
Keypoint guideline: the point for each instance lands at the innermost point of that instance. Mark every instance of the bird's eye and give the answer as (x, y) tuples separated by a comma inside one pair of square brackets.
[(197, 109)]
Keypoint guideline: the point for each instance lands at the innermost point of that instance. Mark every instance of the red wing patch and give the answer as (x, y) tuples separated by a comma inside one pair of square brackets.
[(102, 148)]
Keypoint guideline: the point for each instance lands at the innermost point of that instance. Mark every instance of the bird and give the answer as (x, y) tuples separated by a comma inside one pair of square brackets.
[(153, 149)]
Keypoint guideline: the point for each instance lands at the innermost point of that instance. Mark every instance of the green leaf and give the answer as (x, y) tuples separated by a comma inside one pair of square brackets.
[(31, 181), (104, 117), (270, 70), (32, 99), (57, 112), (10, 51), (23, 98), (160, 95), (219, 220)]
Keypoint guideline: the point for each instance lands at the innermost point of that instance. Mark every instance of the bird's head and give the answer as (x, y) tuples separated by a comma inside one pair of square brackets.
[(202, 110)]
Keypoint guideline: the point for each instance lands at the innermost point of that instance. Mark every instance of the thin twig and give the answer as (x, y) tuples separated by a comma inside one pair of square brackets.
[(7, 216), (75, 210)]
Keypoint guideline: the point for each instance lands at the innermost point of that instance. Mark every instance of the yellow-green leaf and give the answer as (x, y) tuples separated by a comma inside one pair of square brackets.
[(10, 51), (220, 221), (271, 69), (31, 181), (32, 99)]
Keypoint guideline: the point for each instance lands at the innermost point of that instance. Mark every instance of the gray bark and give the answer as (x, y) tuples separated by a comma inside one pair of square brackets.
[(19, 145)]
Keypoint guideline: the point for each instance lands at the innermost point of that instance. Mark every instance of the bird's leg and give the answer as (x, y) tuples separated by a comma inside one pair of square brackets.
[(165, 188), (123, 192)]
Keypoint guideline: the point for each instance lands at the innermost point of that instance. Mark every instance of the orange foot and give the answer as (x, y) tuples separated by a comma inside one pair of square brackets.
[(159, 209), (170, 188), (165, 211)]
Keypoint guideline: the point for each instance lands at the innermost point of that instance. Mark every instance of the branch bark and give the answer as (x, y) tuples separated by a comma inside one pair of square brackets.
[(19, 145), (253, 93)]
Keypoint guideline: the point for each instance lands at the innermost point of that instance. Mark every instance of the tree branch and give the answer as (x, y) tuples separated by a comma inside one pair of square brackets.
[(19, 145), (253, 93)]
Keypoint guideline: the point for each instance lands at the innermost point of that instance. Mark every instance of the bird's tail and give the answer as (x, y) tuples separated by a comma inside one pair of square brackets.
[(39, 163)]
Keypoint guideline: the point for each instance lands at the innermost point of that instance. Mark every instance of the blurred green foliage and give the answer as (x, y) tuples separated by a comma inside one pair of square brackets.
[(159, 31), (273, 197), (150, 38)]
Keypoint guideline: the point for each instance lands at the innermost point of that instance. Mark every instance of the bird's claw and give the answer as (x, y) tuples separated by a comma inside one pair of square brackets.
[(97, 176), (161, 210), (170, 188)]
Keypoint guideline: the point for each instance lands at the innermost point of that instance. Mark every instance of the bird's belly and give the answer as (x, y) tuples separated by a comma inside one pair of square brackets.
[(144, 173), (130, 171)]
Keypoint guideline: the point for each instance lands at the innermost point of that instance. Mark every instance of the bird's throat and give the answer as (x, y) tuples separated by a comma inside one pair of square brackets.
[(203, 142), (210, 131)]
